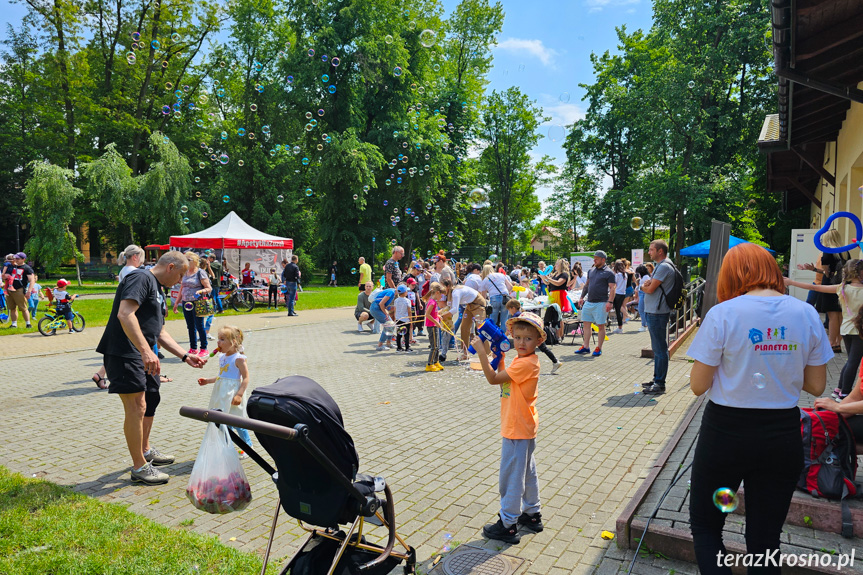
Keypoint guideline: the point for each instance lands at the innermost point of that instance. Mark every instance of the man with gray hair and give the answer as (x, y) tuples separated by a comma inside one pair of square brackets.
[(136, 325), (599, 288), (391, 268)]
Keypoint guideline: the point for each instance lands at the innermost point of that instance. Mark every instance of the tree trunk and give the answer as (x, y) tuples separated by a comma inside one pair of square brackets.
[(64, 85)]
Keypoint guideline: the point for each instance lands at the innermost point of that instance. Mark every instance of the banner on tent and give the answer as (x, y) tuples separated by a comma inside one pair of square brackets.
[(637, 257)]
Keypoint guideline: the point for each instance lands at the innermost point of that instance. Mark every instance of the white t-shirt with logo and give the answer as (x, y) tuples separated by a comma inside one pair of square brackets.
[(775, 337)]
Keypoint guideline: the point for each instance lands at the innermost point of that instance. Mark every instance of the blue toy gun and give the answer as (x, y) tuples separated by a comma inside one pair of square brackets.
[(488, 331)]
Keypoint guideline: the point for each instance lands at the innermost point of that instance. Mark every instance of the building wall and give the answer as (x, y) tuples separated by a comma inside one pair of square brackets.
[(844, 158)]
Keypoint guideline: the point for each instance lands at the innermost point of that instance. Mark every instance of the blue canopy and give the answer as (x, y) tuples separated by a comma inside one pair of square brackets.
[(702, 250)]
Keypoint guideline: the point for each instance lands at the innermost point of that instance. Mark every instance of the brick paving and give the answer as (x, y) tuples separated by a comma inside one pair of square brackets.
[(434, 436)]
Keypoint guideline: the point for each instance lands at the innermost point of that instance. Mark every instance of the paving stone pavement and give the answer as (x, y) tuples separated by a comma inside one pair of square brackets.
[(434, 436)]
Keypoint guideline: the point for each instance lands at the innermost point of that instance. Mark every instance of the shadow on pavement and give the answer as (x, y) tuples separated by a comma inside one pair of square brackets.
[(631, 400)]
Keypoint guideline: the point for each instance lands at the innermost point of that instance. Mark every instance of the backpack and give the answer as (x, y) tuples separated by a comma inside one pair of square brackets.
[(829, 460), (676, 294)]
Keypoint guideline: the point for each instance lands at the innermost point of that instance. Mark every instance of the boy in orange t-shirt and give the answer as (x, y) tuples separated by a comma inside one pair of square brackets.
[(519, 486)]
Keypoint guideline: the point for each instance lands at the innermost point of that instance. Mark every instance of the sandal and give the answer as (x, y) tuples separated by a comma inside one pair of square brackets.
[(165, 379), (100, 381)]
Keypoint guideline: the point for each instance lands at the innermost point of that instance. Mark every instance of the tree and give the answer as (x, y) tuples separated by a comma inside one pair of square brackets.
[(509, 131), (111, 188), (572, 203), (49, 197)]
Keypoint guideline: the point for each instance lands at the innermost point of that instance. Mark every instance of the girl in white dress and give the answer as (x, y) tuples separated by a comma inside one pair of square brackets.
[(229, 392)]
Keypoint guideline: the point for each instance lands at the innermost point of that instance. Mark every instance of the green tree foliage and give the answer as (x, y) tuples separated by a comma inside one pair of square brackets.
[(672, 120), (49, 197), (508, 132)]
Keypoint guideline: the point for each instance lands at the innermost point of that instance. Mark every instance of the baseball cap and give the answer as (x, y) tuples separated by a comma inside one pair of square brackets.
[(600, 254), (410, 281), (402, 289), (21, 256), (530, 319), (62, 282), (418, 267)]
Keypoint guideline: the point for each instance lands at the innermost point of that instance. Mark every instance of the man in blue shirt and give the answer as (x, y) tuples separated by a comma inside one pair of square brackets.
[(656, 312)]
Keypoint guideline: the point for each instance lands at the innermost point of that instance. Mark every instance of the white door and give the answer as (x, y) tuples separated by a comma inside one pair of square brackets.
[(803, 251)]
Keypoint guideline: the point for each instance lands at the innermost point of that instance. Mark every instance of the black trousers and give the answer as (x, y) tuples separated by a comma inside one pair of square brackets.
[(854, 349), (762, 448), (273, 296), (544, 349), (618, 304)]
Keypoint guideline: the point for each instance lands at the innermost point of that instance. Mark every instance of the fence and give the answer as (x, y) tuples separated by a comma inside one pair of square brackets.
[(681, 319)]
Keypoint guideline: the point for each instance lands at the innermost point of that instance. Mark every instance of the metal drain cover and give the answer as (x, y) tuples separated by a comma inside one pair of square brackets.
[(468, 560)]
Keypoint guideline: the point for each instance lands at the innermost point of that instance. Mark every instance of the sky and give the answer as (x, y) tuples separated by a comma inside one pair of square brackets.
[(544, 49)]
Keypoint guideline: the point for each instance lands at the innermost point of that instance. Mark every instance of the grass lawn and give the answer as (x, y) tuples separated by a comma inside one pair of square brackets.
[(46, 528), (97, 311)]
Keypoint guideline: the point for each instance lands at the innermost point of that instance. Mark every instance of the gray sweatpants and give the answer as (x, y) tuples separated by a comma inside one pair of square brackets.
[(519, 485)]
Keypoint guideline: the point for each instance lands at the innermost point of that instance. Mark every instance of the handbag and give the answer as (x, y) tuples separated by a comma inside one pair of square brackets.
[(503, 300), (203, 307)]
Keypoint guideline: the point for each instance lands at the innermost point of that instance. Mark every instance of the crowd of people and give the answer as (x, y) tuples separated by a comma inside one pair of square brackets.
[(445, 300)]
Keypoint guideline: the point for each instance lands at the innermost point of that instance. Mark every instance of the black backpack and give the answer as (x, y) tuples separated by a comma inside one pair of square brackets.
[(675, 296)]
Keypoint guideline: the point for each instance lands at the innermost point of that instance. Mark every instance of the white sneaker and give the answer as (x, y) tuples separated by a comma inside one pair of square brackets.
[(642, 329), (618, 330), (555, 366), (380, 348), (209, 336), (360, 328)]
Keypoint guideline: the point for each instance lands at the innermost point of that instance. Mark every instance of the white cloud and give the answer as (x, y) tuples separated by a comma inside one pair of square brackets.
[(563, 114), (533, 47), (600, 5)]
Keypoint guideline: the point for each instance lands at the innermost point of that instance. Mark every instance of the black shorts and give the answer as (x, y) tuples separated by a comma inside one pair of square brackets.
[(127, 375)]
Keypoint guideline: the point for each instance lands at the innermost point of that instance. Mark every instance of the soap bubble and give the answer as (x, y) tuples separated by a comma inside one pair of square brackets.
[(265, 129), (189, 306), (321, 112), (324, 58), (241, 163), (136, 36), (556, 132), (131, 58), (305, 161), (175, 37), (184, 209), (397, 71), (725, 499), (155, 45), (331, 89), (431, 230), (463, 188), (493, 257), (428, 38), (309, 192), (450, 234), (447, 542), (253, 107), (202, 165), (185, 220), (564, 97), (636, 223), (325, 78), (226, 199), (311, 52), (386, 202), (223, 159), (356, 196), (280, 198), (204, 214), (335, 61), (759, 381), (224, 135), (166, 110), (366, 188), (388, 39), (478, 198), (241, 132)]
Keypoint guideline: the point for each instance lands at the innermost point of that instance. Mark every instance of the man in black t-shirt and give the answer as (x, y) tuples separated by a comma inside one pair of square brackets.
[(291, 277), (599, 288), (23, 286), (134, 328)]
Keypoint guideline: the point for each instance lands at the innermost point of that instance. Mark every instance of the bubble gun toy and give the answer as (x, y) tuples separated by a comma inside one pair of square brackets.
[(488, 331)]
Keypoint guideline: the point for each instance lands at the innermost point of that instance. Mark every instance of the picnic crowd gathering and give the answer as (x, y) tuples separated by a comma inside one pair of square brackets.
[(503, 317)]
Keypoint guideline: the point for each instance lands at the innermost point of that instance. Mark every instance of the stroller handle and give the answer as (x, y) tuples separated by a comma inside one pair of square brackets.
[(218, 417)]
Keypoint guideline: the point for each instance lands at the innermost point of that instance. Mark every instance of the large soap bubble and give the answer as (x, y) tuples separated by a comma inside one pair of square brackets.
[(428, 38), (478, 198)]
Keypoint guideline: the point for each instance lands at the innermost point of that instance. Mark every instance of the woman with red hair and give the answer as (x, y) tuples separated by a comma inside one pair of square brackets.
[(754, 353)]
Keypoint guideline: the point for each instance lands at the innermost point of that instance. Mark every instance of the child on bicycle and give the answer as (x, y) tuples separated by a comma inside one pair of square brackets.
[(63, 302)]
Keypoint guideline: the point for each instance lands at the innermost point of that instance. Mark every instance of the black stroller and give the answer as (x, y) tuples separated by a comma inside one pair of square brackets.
[(301, 427)]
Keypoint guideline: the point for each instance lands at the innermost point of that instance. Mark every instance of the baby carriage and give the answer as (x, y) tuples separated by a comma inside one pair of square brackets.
[(301, 427)]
